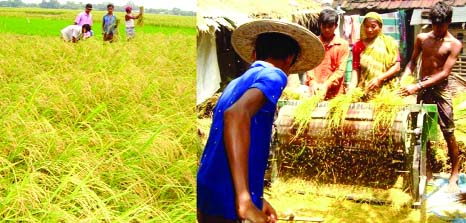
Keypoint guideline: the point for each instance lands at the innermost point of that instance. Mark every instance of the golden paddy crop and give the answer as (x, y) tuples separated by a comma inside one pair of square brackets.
[(98, 132)]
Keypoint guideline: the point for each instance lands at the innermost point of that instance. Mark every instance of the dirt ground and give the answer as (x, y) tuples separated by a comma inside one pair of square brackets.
[(343, 203)]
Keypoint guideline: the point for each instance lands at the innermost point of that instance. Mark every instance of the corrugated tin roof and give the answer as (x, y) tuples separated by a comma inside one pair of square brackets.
[(458, 16), (393, 4)]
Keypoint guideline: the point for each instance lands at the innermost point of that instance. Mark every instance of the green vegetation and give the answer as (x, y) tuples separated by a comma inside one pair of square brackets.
[(56, 5), (96, 132), (49, 22)]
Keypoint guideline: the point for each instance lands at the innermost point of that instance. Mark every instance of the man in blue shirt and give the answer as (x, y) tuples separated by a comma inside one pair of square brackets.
[(230, 179)]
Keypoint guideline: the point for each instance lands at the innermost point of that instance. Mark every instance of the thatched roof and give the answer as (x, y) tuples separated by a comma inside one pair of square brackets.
[(229, 13)]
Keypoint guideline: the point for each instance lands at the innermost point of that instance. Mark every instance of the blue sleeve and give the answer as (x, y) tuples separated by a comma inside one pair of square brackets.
[(271, 81)]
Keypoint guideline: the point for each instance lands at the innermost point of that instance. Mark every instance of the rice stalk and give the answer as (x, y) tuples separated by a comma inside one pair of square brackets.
[(338, 107), (386, 106), (302, 113), (407, 80), (290, 94), (140, 20), (100, 140)]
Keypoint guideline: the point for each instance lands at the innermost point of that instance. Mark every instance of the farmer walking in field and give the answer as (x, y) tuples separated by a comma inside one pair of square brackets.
[(129, 22), (109, 23), (439, 50), (328, 76), (85, 18), (73, 33), (230, 180)]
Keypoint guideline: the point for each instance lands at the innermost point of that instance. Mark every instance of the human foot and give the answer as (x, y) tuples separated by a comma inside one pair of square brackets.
[(453, 185)]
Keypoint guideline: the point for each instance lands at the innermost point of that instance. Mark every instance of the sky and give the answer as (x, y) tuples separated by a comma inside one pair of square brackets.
[(187, 5)]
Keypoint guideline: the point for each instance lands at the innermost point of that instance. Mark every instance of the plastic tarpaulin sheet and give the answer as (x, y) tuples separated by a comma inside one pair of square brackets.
[(208, 72), (444, 205)]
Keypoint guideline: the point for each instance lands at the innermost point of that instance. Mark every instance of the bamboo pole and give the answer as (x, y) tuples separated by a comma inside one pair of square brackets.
[(460, 79)]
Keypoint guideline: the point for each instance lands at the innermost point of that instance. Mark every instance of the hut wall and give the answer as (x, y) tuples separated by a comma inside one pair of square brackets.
[(230, 63)]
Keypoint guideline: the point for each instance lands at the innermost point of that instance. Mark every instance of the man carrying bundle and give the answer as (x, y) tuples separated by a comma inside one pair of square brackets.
[(129, 22)]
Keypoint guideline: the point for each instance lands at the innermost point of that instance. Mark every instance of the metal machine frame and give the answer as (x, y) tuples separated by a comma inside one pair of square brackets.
[(420, 127)]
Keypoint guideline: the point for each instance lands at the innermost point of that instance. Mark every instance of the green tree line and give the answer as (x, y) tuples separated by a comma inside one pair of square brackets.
[(54, 4)]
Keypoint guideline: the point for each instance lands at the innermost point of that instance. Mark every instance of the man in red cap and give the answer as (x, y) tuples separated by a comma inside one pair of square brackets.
[(129, 22)]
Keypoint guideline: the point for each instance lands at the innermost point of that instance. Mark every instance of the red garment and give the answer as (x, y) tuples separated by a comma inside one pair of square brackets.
[(358, 48), (332, 68)]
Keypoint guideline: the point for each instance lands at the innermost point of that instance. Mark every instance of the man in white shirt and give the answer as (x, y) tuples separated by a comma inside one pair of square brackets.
[(129, 22), (74, 33)]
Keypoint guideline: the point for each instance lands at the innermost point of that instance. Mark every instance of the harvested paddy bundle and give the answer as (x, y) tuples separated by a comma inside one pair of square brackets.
[(338, 107), (407, 80), (302, 113), (290, 94), (386, 106), (140, 21), (388, 103), (116, 34)]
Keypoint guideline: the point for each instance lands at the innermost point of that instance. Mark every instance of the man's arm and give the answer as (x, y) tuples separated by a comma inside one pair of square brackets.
[(438, 76), (237, 138), (413, 61), (76, 20), (103, 24), (340, 71), (128, 17), (74, 36)]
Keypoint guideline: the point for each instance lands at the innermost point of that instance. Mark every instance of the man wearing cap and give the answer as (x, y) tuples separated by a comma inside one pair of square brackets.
[(439, 50), (129, 22), (230, 179)]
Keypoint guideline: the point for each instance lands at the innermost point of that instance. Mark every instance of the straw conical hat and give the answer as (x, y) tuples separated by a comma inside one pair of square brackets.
[(312, 52)]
